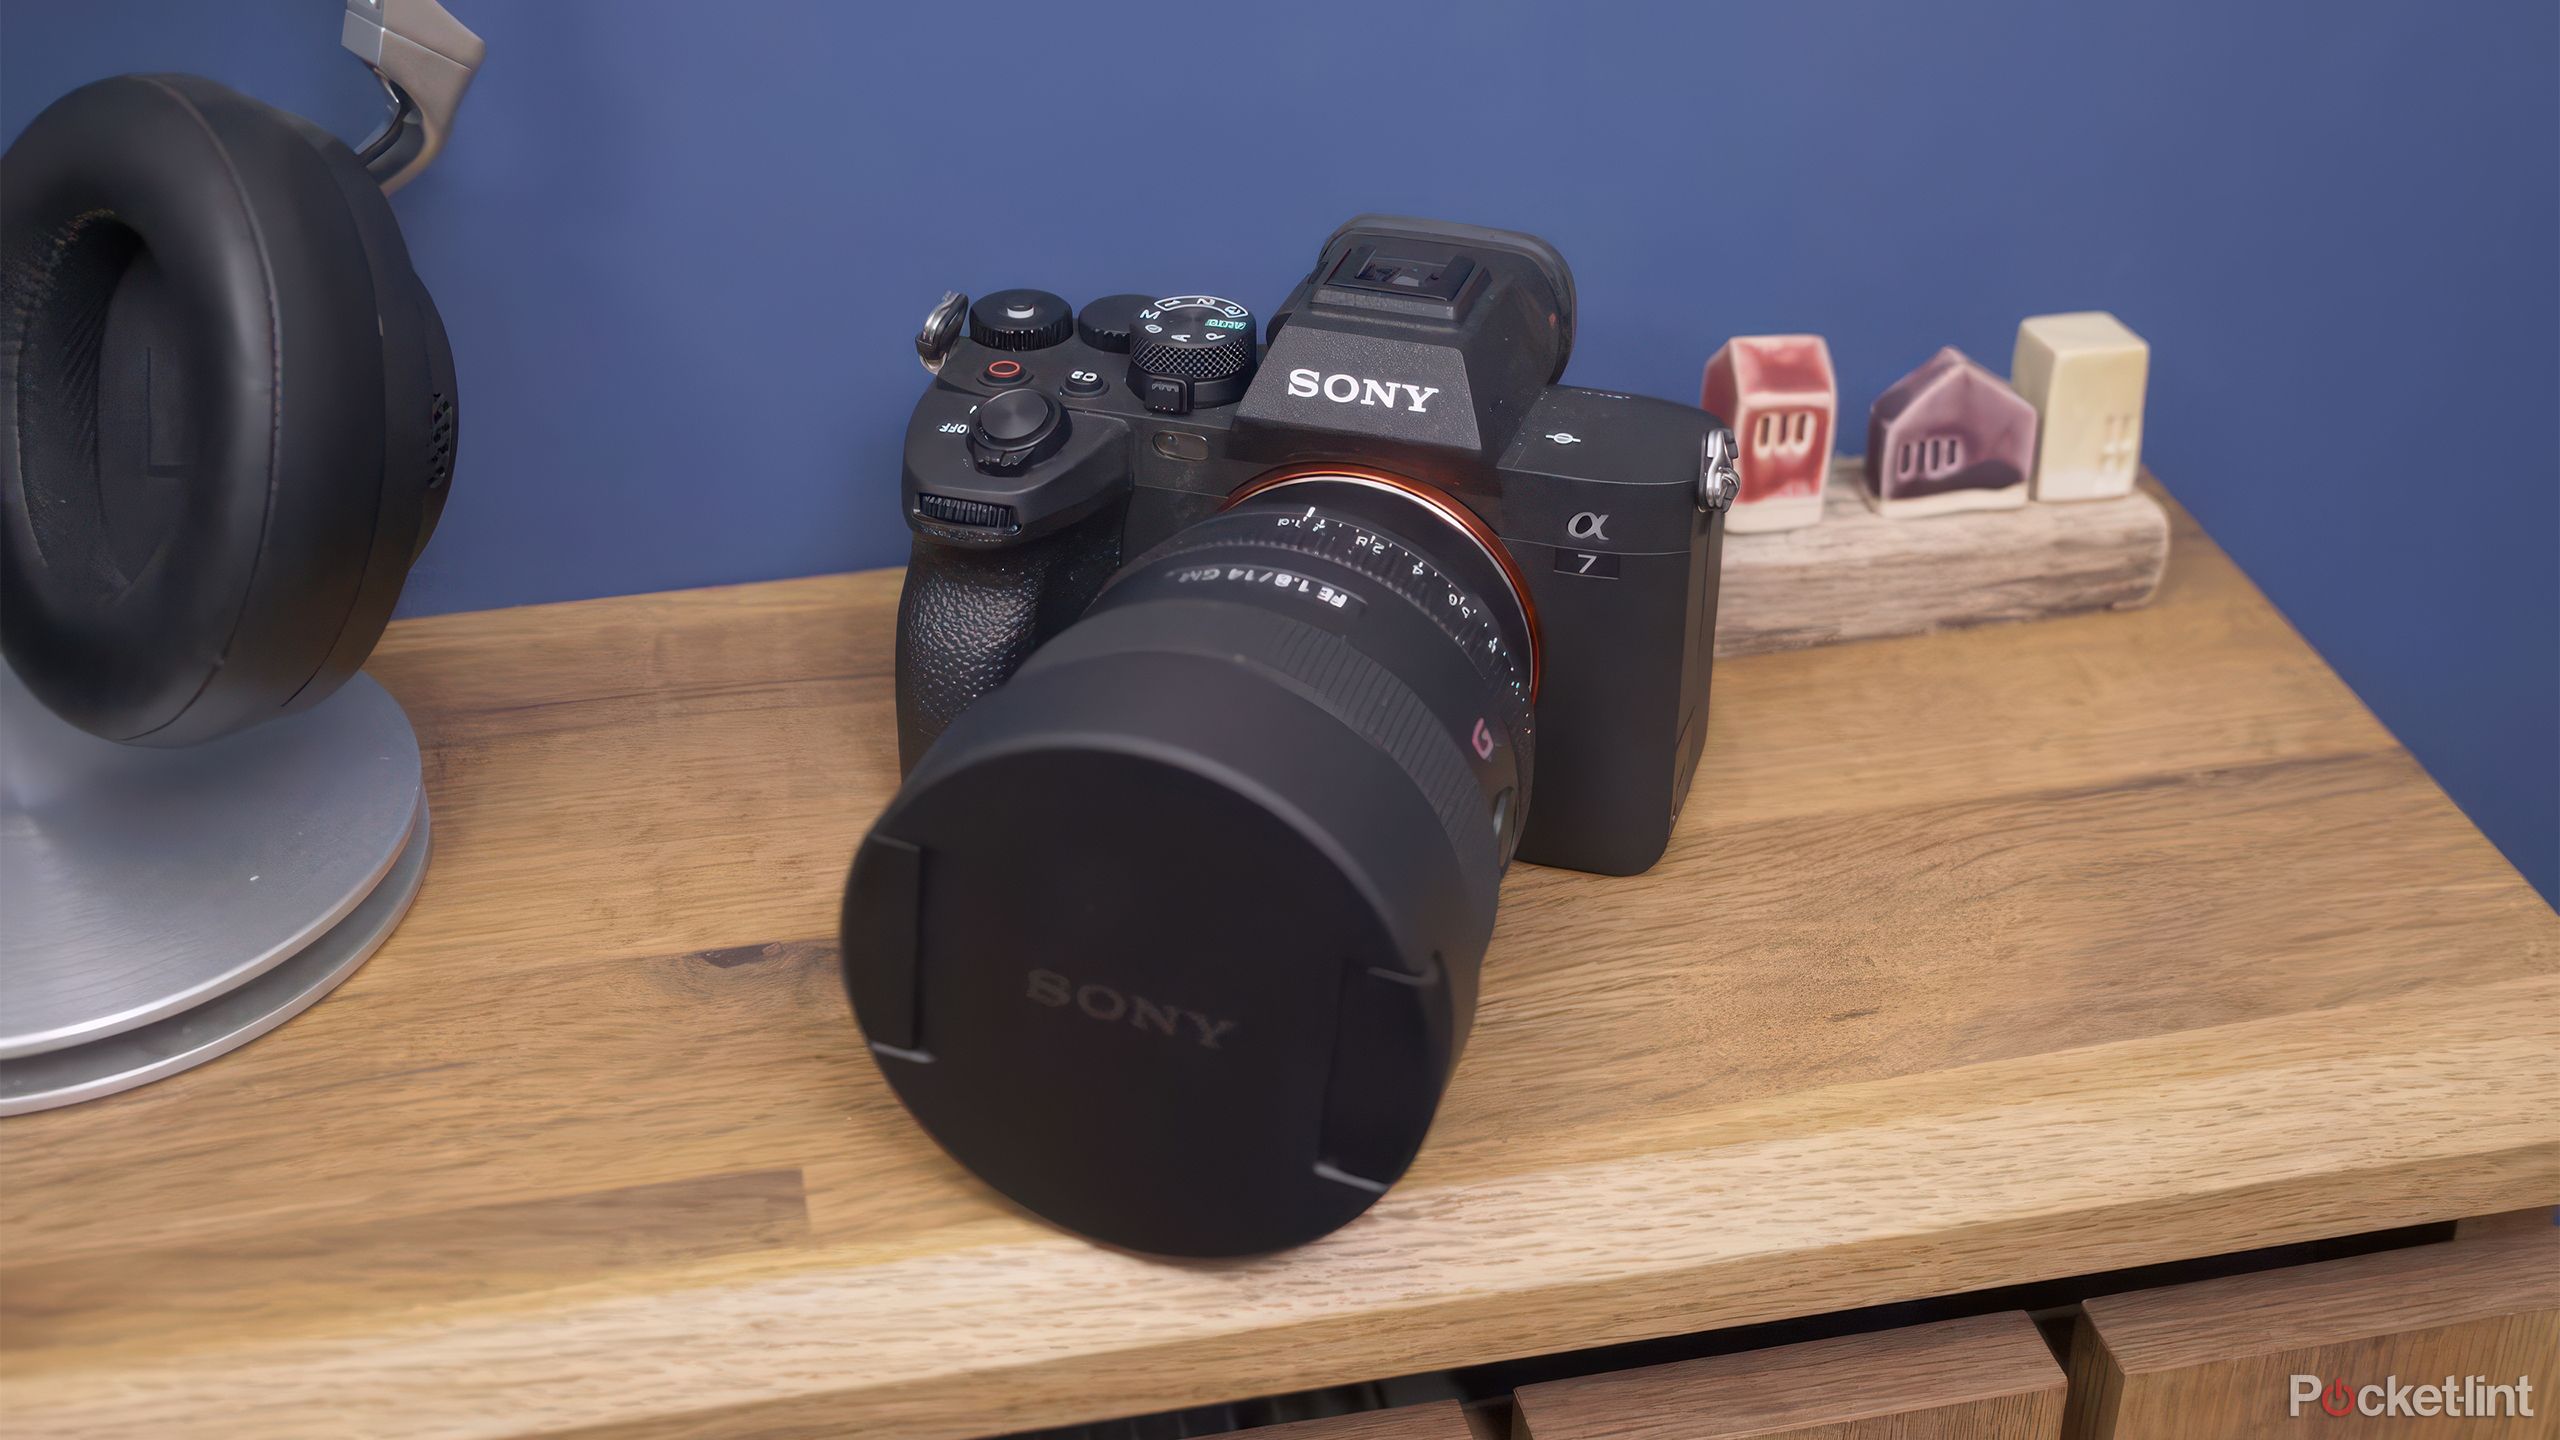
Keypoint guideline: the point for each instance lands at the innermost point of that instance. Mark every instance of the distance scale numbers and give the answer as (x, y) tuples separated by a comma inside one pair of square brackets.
[(1409, 574)]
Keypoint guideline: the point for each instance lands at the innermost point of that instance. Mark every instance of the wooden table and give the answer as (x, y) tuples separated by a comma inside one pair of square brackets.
[(1981, 957)]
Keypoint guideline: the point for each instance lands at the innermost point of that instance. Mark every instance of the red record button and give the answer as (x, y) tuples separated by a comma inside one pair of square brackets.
[(1002, 372)]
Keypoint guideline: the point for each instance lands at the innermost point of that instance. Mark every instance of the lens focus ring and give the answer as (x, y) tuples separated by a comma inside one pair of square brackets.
[(1288, 533)]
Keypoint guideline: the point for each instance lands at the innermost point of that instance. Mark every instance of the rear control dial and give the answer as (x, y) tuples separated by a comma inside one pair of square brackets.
[(1191, 352)]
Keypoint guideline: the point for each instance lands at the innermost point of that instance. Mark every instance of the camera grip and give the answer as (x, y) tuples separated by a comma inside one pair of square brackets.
[(968, 618)]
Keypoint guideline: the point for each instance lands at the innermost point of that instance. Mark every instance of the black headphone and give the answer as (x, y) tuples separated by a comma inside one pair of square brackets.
[(229, 400)]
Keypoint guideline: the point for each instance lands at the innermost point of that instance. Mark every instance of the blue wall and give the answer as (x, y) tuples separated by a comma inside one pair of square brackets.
[(681, 247)]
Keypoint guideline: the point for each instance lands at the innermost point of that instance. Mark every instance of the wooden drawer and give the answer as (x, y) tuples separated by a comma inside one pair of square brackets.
[(2219, 1357), (1439, 1420), (1985, 1378)]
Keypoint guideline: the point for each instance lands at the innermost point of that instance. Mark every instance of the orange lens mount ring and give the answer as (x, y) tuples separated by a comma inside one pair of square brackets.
[(1436, 501)]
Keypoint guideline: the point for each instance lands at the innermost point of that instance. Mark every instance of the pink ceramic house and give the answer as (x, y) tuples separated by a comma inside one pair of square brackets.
[(1949, 436), (1778, 394)]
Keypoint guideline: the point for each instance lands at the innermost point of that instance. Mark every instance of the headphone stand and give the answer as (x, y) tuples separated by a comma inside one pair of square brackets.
[(161, 907)]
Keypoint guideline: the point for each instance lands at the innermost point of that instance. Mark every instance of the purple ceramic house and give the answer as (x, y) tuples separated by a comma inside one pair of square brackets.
[(1949, 436)]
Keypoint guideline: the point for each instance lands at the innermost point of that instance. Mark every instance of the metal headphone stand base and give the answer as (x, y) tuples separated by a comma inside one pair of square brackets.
[(161, 907)]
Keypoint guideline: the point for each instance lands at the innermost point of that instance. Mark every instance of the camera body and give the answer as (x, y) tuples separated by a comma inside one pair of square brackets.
[(1172, 930), (1416, 351)]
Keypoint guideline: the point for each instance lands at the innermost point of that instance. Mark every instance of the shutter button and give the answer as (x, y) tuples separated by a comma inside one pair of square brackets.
[(1016, 429)]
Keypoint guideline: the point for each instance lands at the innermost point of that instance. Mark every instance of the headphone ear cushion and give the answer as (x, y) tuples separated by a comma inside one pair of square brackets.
[(192, 378), (421, 419)]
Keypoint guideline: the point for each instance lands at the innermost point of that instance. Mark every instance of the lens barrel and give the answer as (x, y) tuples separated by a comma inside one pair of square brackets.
[(1173, 938)]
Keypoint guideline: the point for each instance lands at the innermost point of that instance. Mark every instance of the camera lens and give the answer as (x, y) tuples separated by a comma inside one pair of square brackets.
[(1173, 937)]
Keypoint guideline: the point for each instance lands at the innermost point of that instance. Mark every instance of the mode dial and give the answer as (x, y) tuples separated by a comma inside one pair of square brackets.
[(1191, 352), (1020, 320)]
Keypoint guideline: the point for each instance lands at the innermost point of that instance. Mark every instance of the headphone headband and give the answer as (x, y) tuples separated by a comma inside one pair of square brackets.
[(425, 60)]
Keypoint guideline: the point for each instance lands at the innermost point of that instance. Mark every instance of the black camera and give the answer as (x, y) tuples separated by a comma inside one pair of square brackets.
[(1172, 932)]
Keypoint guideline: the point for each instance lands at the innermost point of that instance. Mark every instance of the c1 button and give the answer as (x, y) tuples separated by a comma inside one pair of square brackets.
[(1085, 382)]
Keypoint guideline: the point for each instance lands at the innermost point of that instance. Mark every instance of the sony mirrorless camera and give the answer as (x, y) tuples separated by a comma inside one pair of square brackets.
[(1231, 675)]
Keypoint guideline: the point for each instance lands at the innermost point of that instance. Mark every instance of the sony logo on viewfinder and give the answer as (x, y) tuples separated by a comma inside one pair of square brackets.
[(1344, 389)]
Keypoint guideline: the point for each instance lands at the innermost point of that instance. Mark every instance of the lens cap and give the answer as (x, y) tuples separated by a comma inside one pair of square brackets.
[(1113, 972)]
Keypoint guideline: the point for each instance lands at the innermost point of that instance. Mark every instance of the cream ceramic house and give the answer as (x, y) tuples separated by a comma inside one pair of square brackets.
[(2084, 372)]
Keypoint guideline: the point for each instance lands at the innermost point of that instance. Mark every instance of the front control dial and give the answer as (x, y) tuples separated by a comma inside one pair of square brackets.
[(1191, 352), (1016, 430), (1105, 324), (1021, 320)]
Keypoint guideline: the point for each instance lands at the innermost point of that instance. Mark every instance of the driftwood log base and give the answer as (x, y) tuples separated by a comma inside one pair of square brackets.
[(1859, 576)]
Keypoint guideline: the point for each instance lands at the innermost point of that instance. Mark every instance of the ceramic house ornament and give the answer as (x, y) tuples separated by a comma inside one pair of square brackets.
[(1949, 436), (1778, 394), (2084, 372)]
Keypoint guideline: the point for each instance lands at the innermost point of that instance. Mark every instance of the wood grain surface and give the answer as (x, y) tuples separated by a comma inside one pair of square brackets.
[(1988, 1377), (2217, 1357), (1983, 957), (1860, 576)]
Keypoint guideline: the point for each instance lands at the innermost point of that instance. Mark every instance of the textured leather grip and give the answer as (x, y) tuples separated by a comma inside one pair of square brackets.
[(969, 618)]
